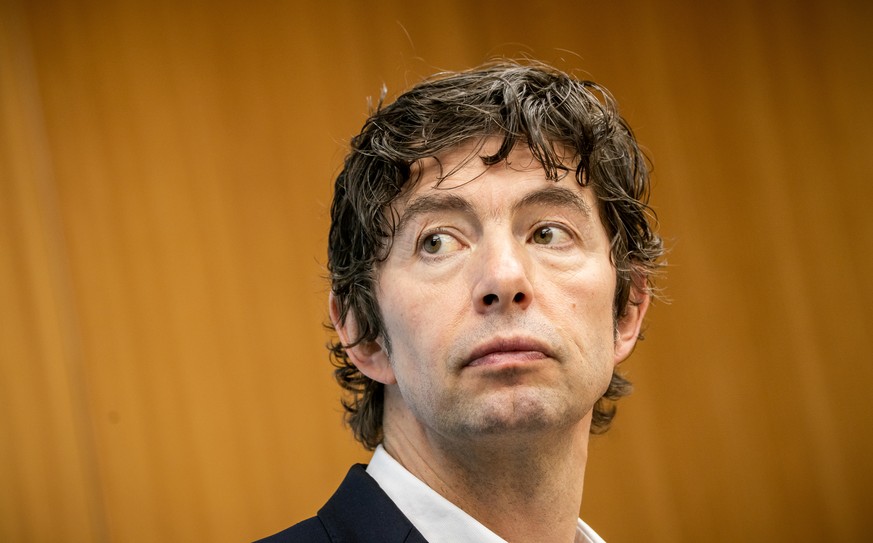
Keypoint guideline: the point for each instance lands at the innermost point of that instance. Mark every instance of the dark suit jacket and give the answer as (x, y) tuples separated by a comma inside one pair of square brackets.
[(358, 512)]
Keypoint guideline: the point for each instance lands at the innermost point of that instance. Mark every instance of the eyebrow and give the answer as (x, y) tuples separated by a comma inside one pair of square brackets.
[(556, 197), (447, 202), (433, 203)]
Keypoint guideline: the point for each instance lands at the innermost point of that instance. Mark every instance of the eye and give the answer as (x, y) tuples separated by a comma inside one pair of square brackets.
[(439, 243), (543, 235), (432, 243), (550, 235)]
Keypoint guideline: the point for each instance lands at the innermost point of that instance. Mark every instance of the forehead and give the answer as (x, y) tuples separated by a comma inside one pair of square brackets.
[(461, 164), (462, 170)]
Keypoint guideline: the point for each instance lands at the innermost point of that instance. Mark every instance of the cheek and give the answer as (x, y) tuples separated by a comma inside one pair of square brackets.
[(589, 311), (591, 295), (418, 304), (403, 310), (405, 314)]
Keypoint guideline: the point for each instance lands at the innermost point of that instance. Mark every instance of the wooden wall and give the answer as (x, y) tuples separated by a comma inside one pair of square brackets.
[(165, 172)]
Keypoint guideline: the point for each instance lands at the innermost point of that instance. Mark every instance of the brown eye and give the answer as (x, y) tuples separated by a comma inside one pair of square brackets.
[(543, 235), (439, 244), (432, 244)]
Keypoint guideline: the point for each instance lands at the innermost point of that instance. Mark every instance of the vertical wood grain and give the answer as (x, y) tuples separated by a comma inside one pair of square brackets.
[(48, 485)]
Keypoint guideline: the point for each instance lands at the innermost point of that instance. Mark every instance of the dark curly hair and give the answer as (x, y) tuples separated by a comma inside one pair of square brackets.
[(530, 104)]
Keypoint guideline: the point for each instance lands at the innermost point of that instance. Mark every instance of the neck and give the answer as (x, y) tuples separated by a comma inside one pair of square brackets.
[(523, 487)]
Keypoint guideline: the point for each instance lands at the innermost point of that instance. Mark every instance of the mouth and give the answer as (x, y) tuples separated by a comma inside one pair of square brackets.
[(508, 351)]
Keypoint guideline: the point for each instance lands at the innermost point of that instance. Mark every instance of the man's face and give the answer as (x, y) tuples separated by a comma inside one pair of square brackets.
[(497, 299)]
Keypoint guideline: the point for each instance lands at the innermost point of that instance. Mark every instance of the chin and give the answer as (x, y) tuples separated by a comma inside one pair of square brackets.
[(522, 413)]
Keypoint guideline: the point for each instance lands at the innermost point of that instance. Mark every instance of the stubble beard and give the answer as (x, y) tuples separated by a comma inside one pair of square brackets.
[(510, 412)]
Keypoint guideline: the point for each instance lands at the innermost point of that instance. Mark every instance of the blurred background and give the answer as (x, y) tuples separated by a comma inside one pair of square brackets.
[(165, 177)]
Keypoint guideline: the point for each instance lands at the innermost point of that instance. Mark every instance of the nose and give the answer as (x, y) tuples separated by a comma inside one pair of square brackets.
[(502, 277)]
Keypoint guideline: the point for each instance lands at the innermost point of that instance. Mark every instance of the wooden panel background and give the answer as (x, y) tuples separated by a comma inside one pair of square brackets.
[(165, 171)]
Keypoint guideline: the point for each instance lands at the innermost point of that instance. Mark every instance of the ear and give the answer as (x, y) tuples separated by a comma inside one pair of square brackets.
[(369, 357), (630, 322)]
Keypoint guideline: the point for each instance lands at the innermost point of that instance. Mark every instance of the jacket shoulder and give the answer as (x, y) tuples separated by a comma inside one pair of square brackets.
[(358, 512), (308, 531)]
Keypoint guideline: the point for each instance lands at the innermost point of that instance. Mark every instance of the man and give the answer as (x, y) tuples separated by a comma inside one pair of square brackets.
[(490, 256)]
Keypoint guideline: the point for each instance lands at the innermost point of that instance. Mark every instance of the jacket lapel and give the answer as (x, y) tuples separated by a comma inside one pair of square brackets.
[(360, 512)]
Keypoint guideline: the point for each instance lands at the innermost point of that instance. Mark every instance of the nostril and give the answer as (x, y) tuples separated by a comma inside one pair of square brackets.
[(490, 299), (518, 298)]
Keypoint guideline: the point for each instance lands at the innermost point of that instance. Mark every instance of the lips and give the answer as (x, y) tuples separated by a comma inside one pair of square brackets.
[(508, 351)]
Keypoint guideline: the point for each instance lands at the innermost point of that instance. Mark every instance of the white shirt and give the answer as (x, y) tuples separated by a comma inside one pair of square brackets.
[(438, 519)]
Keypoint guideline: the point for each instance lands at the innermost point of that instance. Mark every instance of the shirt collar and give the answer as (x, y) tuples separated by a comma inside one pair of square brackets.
[(438, 519)]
